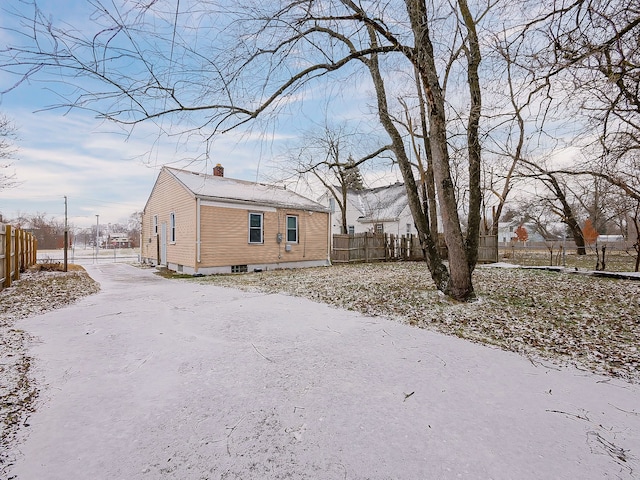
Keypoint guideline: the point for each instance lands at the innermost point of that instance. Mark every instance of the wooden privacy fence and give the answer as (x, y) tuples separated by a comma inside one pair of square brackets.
[(488, 249), (376, 247), (17, 253)]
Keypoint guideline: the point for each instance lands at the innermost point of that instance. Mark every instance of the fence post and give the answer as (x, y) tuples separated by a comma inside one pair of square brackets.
[(16, 252), (366, 247), (7, 257), (23, 237), (34, 250), (387, 246)]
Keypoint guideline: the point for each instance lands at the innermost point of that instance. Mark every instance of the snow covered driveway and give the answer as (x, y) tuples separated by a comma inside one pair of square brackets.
[(154, 378)]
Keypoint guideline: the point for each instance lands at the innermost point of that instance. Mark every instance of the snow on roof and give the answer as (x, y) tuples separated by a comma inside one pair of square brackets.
[(225, 189), (381, 203)]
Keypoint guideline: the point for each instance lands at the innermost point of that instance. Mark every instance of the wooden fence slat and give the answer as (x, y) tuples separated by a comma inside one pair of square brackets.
[(375, 247), (18, 251)]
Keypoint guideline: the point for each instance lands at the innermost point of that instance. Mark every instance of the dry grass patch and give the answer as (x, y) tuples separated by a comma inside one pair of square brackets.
[(593, 323)]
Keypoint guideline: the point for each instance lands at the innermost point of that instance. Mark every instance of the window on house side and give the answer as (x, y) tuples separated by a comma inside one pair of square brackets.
[(292, 229), (172, 226), (378, 228), (352, 229), (408, 228), (255, 228), (155, 224)]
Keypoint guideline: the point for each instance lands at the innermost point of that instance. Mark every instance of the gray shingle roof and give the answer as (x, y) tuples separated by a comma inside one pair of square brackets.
[(223, 189), (380, 204)]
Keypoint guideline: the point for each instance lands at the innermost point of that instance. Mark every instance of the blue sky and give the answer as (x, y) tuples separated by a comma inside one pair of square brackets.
[(100, 169), (106, 171)]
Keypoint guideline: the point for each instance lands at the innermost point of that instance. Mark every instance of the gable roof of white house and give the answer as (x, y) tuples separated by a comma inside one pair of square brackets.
[(230, 190), (379, 204)]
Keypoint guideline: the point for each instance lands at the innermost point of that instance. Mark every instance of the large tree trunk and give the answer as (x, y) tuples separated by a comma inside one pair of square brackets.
[(343, 209), (460, 284), (438, 270), (472, 51), (428, 180), (568, 216)]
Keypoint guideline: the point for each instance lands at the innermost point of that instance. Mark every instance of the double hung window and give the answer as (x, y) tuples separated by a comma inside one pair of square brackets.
[(172, 227), (255, 228), (292, 229)]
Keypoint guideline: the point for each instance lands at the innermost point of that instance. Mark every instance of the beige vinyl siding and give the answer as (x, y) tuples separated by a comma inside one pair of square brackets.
[(225, 237), (313, 235), (169, 196), (148, 241)]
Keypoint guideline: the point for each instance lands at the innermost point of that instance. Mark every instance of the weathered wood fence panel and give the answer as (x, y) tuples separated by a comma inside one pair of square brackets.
[(17, 253), (361, 247), (375, 247), (488, 249)]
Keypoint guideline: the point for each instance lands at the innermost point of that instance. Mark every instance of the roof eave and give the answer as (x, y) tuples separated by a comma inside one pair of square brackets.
[(249, 203)]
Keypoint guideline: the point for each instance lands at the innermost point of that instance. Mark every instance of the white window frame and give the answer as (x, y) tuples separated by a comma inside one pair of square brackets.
[(351, 229), (172, 227), (155, 224), (251, 228), (294, 230)]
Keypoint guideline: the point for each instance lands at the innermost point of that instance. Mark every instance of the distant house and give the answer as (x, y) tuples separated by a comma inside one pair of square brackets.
[(507, 233), (198, 223), (118, 240), (379, 210)]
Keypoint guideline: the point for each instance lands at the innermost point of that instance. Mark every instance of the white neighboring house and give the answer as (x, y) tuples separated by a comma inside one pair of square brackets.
[(381, 210), (507, 232)]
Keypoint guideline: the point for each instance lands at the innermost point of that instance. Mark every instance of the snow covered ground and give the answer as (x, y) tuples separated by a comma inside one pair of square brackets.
[(153, 378)]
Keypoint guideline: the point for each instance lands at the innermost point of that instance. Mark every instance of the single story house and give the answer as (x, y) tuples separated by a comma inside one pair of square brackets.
[(203, 224)]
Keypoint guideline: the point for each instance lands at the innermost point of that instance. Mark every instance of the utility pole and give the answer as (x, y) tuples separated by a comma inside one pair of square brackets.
[(66, 235), (97, 237)]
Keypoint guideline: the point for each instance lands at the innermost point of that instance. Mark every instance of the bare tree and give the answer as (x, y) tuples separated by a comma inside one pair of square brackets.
[(327, 156), (48, 231), (515, 120), (590, 51), (7, 151), (559, 203), (220, 67), (133, 228), (596, 45)]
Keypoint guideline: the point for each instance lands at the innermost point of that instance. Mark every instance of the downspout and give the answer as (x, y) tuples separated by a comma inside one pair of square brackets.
[(198, 233), (279, 235), (304, 248), (329, 238)]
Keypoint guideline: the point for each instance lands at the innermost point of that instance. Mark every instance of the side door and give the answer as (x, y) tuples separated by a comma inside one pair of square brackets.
[(163, 244)]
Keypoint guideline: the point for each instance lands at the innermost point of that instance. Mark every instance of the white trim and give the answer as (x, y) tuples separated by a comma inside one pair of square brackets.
[(173, 234), (240, 206), (249, 228), (286, 228)]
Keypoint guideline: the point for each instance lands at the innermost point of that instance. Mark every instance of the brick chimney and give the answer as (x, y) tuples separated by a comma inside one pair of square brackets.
[(218, 171)]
